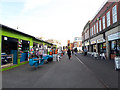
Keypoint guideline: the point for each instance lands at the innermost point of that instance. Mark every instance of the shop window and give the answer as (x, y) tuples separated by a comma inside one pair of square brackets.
[(104, 47), (113, 45), (118, 48)]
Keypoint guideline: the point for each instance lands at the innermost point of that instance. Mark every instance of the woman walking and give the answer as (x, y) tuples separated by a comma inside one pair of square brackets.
[(69, 53)]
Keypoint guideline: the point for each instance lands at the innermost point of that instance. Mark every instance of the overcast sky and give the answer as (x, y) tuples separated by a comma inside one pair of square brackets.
[(53, 19)]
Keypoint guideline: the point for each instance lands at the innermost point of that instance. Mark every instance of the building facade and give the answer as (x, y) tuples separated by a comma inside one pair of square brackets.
[(86, 37), (104, 31), (77, 43)]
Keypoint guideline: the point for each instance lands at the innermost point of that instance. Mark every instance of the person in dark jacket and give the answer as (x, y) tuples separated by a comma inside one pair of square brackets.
[(69, 53)]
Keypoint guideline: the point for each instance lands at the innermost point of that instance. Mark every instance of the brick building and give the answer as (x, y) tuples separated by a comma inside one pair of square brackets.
[(104, 31)]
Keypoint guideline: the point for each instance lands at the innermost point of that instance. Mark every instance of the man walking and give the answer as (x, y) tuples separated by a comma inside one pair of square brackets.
[(69, 53), (85, 51)]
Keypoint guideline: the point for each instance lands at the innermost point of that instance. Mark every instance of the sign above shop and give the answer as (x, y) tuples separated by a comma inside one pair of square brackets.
[(93, 42), (86, 43), (100, 40), (82, 44), (114, 36)]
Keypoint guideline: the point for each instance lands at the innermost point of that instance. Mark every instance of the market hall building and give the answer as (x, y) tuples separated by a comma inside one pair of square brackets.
[(15, 47), (103, 35)]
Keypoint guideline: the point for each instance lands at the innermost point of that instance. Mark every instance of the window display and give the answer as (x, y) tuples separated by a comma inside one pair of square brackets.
[(118, 47), (115, 48)]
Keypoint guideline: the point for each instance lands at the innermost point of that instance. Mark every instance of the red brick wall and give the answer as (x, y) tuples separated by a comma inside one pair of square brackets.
[(118, 8), (102, 13)]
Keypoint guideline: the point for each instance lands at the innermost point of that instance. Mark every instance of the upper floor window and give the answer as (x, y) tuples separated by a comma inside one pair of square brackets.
[(90, 31), (99, 25), (114, 14), (94, 29), (103, 22), (108, 19)]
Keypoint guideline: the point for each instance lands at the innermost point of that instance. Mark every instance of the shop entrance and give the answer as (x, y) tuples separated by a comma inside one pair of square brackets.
[(25, 50), (9, 50), (91, 48), (94, 47), (102, 47)]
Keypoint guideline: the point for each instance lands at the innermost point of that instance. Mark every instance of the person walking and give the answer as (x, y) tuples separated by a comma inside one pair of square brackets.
[(75, 50), (69, 53), (85, 51)]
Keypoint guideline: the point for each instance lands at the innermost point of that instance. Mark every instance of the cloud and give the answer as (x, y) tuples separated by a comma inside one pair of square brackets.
[(12, 0), (32, 4)]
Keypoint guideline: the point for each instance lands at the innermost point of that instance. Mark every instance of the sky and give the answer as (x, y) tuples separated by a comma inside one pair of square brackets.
[(53, 19)]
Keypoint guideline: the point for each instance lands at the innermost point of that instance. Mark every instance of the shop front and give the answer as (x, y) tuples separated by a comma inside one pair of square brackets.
[(9, 51), (93, 46), (101, 45), (24, 49), (114, 42)]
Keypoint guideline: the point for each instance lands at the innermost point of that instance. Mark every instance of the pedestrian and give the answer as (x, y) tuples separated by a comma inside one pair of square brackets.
[(41, 53), (75, 50), (85, 51), (72, 51), (69, 53)]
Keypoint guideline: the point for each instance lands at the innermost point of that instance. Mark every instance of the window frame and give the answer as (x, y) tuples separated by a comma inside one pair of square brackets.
[(114, 14), (103, 19), (108, 18), (100, 25)]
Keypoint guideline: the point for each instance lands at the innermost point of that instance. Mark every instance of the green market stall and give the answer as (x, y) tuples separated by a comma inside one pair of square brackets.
[(17, 43)]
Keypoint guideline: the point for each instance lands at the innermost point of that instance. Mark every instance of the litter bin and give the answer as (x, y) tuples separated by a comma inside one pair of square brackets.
[(117, 63)]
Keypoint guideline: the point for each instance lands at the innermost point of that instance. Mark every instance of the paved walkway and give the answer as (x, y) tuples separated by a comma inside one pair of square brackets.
[(103, 69), (63, 74)]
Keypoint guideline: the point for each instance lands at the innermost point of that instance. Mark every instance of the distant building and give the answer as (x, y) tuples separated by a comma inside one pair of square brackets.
[(71, 46), (77, 39), (68, 42), (77, 43), (55, 42)]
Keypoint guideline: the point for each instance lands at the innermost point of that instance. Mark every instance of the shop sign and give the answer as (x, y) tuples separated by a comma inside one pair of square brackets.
[(82, 44), (114, 36), (93, 42), (100, 40), (87, 43)]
